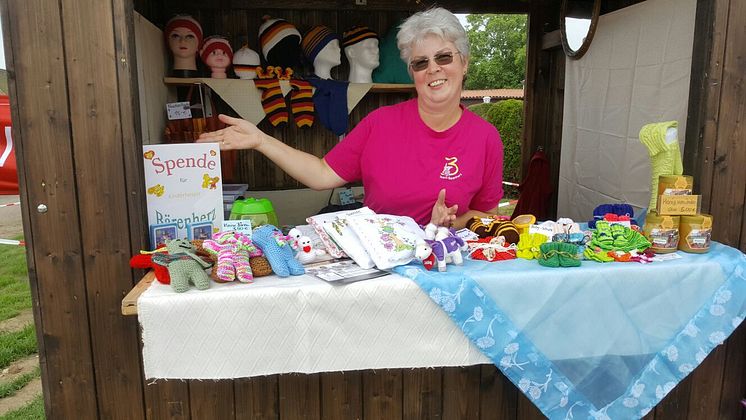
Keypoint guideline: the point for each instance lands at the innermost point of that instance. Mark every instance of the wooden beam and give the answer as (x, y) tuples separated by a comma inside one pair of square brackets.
[(129, 303), (551, 40), (464, 6)]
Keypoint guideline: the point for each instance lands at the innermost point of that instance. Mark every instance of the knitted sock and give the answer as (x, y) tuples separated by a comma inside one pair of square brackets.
[(476, 225), (330, 101), (272, 101), (507, 230), (301, 102), (665, 157)]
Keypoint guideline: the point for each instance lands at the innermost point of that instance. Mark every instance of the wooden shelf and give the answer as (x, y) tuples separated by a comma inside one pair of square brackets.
[(376, 88), (129, 303)]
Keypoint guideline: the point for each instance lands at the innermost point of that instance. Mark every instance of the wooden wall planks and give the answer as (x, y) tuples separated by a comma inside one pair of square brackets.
[(43, 138)]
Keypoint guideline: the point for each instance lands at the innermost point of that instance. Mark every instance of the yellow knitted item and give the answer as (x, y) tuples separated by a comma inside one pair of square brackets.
[(529, 245), (665, 156)]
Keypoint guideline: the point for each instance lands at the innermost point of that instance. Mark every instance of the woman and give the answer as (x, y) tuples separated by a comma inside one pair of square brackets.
[(407, 155)]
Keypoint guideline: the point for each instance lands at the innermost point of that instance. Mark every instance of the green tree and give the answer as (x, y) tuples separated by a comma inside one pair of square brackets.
[(498, 51)]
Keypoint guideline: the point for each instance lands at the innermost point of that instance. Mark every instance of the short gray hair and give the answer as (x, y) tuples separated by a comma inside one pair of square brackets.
[(435, 21)]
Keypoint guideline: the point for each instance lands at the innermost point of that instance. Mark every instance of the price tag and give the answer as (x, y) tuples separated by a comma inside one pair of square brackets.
[(178, 110), (239, 226)]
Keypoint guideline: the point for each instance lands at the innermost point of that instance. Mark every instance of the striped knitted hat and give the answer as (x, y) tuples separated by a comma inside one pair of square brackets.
[(315, 40), (184, 21), (216, 43), (357, 34), (272, 31)]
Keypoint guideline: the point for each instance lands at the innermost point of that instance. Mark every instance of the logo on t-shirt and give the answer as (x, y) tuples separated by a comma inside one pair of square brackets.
[(450, 169)]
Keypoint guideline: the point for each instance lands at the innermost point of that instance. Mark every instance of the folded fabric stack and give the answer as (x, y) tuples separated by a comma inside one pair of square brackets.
[(371, 240)]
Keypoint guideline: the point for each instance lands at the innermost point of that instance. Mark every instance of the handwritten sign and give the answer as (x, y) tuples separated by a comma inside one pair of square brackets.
[(178, 110), (678, 204), (239, 226)]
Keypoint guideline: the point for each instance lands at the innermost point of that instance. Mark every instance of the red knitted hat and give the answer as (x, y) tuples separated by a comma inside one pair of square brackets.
[(184, 21), (216, 43)]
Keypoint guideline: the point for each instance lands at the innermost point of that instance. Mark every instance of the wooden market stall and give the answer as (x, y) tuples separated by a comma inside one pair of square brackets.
[(75, 107)]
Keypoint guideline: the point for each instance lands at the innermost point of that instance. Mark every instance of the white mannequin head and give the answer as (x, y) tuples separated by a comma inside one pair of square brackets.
[(363, 58), (329, 57), (245, 62), (183, 35)]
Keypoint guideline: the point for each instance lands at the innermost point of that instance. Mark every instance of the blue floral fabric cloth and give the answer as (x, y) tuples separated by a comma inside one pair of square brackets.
[(600, 341)]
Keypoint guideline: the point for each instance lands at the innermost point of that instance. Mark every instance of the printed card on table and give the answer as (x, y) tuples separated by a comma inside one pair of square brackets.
[(184, 189)]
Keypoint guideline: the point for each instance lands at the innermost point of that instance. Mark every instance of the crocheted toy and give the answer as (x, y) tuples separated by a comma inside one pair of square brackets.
[(444, 247), (144, 260), (559, 254), (232, 250), (184, 265), (278, 250), (260, 266), (307, 254)]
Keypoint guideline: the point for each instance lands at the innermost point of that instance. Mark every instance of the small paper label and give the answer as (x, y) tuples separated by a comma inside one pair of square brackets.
[(178, 110), (667, 257), (544, 230), (678, 204), (239, 226)]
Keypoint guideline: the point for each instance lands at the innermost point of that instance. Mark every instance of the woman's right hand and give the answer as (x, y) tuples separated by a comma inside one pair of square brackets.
[(240, 134)]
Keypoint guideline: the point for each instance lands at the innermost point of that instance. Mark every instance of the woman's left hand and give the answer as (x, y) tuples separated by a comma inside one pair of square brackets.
[(443, 215)]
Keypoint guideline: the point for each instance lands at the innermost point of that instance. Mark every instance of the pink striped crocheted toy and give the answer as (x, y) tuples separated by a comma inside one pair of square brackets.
[(233, 251)]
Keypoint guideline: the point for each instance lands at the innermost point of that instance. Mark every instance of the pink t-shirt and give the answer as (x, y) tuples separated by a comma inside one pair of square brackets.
[(403, 163)]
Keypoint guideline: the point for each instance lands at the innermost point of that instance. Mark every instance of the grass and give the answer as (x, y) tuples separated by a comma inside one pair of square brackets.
[(15, 294), (6, 390), (16, 345), (15, 297), (32, 411)]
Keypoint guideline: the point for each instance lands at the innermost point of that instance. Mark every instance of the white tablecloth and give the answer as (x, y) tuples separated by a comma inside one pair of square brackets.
[(296, 324)]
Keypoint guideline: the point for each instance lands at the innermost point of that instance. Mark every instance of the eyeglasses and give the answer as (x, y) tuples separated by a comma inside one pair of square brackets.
[(440, 59)]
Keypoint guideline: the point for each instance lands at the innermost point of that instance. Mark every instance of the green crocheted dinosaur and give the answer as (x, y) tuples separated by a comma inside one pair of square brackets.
[(184, 265)]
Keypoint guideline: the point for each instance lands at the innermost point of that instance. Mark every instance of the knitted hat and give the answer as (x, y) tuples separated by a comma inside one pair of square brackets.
[(184, 21), (357, 34), (216, 43), (272, 31), (315, 40), (245, 61)]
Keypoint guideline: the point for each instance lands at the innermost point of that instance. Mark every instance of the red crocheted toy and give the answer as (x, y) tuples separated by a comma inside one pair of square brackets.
[(146, 261)]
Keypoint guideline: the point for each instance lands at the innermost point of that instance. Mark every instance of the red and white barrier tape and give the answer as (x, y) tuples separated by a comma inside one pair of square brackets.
[(512, 184), (10, 204), (12, 242)]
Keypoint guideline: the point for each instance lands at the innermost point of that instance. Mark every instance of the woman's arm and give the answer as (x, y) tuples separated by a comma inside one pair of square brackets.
[(306, 168)]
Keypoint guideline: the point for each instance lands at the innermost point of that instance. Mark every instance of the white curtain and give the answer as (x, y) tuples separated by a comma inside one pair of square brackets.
[(636, 71)]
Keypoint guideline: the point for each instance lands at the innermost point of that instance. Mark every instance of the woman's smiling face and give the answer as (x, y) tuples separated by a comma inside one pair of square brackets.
[(438, 83)]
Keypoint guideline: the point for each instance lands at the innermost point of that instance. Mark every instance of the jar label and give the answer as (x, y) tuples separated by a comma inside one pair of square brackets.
[(699, 238), (664, 238)]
